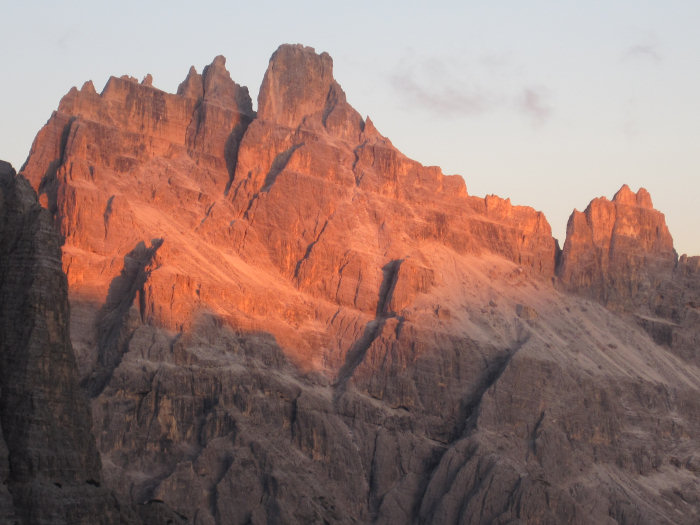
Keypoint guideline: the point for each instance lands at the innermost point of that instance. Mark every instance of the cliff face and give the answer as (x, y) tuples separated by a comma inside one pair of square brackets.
[(617, 251), (620, 253), (280, 318), (49, 464), (310, 197)]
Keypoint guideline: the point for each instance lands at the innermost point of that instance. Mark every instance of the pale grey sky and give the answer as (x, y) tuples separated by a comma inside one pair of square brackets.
[(550, 103)]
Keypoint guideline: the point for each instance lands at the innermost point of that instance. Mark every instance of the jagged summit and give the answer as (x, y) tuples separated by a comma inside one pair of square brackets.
[(192, 86), (626, 196), (282, 318), (306, 165), (617, 251), (299, 91), (219, 88), (215, 86), (297, 84)]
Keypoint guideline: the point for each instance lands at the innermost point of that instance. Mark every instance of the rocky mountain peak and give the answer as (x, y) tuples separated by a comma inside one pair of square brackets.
[(216, 87), (220, 89), (88, 88), (6, 169), (297, 83), (614, 248), (192, 86), (48, 457), (627, 197)]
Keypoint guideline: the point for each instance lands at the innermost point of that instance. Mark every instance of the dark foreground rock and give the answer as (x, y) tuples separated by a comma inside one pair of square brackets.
[(51, 469), (49, 465)]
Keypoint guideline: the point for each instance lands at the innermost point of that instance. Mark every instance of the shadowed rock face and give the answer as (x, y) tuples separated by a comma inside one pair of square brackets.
[(49, 464), (282, 319)]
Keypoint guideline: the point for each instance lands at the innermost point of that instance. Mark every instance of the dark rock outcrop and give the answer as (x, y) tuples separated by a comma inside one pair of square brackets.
[(49, 464)]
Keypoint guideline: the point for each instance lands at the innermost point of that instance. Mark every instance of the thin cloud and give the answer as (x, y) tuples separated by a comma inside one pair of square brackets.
[(453, 88), (534, 103), (495, 61), (630, 122), (66, 37), (647, 52), (443, 100), (63, 40)]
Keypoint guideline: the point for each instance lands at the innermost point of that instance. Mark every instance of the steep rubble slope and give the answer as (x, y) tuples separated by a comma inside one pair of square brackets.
[(545, 408), (287, 320)]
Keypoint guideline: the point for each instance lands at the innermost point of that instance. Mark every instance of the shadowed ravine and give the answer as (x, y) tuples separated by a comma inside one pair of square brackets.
[(358, 350), (112, 327)]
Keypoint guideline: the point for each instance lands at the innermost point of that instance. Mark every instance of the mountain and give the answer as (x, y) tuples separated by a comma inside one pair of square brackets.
[(279, 318)]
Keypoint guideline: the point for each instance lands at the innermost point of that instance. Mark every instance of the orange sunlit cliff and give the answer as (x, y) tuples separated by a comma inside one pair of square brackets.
[(286, 219)]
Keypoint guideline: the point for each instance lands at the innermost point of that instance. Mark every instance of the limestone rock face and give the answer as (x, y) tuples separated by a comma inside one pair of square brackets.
[(298, 83), (280, 318), (620, 252), (275, 222), (332, 203), (49, 464), (617, 251)]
